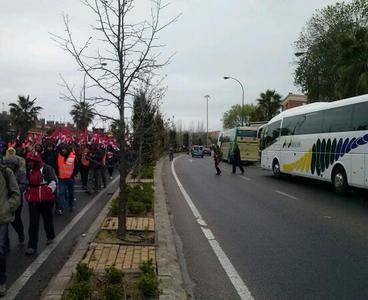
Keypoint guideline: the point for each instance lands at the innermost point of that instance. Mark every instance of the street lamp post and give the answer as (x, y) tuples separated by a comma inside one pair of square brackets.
[(207, 98), (242, 107)]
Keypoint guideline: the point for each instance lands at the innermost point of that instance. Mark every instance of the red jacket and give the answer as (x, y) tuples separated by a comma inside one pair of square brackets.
[(39, 178)]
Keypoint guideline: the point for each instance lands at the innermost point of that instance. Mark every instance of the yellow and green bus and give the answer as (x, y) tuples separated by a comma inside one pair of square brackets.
[(247, 140)]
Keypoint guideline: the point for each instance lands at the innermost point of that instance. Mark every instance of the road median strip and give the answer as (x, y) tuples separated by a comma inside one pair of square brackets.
[(127, 257)]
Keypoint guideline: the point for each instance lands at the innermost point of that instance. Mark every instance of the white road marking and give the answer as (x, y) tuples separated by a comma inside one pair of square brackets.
[(42, 257), (245, 178), (201, 222), (190, 160), (286, 195), (225, 262), (208, 233)]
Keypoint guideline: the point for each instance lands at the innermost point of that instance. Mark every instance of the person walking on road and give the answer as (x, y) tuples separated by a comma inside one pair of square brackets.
[(20, 174), (217, 155), (67, 169), (95, 159), (21, 160), (84, 167), (9, 202), (40, 196), (236, 161), (171, 153), (110, 162), (49, 155)]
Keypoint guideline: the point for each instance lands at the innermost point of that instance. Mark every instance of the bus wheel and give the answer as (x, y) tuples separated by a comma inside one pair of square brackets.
[(339, 180), (276, 168)]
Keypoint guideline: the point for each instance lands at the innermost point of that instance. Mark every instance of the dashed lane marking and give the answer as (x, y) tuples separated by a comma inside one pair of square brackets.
[(245, 178), (44, 255), (225, 262), (287, 195)]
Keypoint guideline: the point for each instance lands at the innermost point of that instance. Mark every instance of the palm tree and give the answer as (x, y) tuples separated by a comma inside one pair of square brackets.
[(83, 114), (23, 114), (269, 103)]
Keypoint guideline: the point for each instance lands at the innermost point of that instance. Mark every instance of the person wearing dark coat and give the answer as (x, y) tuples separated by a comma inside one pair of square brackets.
[(49, 156), (110, 162), (21, 176), (40, 196), (217, 156), (236, 161), (9, 202)]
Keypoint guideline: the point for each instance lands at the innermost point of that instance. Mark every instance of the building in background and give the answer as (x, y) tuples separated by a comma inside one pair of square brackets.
[(293, 100)]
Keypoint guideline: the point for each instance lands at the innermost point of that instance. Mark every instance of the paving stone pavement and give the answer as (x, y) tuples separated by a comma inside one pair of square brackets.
[(122, 257), (132, 223)]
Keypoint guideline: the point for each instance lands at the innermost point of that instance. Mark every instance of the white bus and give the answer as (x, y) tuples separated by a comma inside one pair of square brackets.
[(323, 140)]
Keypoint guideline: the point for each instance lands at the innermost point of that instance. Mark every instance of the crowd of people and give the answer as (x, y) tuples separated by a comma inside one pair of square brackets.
[(43, 175)]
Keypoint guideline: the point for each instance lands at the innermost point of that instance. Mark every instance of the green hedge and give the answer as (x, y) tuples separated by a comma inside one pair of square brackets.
[(139, 200), (146, 172)]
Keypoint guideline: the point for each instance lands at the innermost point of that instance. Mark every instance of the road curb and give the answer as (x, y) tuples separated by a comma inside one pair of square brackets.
[(58, 284), (169, 272)]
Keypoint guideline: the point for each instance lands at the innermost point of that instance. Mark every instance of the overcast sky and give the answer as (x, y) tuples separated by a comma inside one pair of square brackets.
[(251, 40)]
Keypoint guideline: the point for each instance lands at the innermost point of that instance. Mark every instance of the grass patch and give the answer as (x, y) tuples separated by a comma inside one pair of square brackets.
[(114, 207), (146, 172), (139, 200), (105, 235)]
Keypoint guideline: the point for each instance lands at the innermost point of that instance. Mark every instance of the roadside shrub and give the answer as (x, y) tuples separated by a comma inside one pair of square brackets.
[(142, 193), (140, 198), (148, 282), (147, 195), (114, 206), (79, 291), (146, 172), (113, 292), (147, 267), (84, 273), (136, 207), (114, 276)]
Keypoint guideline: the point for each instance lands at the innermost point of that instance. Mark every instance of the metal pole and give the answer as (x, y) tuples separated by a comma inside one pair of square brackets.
[(207, 98), (242, 107)]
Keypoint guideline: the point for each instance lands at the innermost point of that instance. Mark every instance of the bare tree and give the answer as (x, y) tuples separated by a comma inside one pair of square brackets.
[(123, 54)]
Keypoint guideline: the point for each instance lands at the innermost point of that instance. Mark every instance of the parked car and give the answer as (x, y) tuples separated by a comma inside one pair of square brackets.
[(197, 151), (207, 151)]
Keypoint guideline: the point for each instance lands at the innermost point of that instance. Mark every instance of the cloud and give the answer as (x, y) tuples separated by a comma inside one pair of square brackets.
[(251, 40)]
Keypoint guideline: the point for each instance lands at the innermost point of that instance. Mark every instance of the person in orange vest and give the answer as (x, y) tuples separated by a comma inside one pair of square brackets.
[(66, 169)]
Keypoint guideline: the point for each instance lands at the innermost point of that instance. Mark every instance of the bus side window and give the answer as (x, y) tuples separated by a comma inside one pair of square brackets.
[(262, 137), (273, 132), (360, 121)]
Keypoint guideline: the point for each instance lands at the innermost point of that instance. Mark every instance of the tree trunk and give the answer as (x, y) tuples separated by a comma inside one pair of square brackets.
[(123, 175)]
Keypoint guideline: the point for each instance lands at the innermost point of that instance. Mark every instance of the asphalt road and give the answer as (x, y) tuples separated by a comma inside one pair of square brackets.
[(287, 238), (18, 262)]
